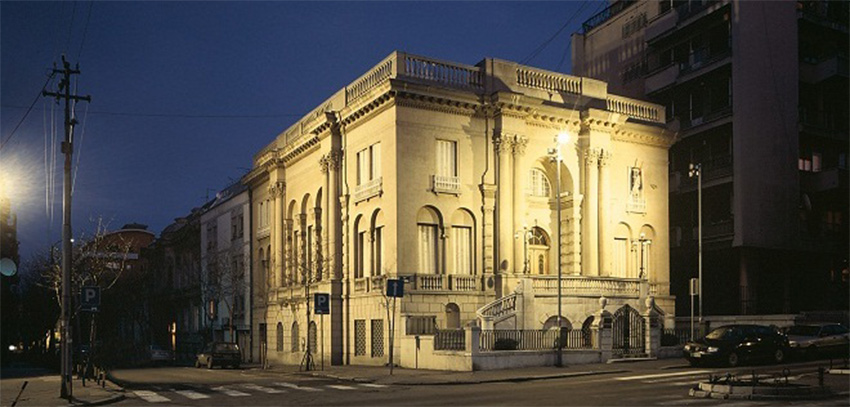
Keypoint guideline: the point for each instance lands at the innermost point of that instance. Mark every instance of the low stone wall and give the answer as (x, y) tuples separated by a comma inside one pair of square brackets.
[(424, 356), (531, 358), (669, 352)]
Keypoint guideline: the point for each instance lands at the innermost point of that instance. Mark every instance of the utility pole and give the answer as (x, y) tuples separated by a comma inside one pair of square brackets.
[(67, 391)]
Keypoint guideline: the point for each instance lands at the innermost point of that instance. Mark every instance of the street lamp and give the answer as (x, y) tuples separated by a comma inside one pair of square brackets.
[(695, 170), (555, 154), (641, 243)]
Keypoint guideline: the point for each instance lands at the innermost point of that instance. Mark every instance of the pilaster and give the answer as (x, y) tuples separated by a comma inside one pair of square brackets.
[(590, 226), (603, 206), (518, 145), (506, 244)]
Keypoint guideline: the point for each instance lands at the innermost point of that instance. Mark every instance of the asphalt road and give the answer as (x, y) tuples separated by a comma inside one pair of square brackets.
[(659, 383)]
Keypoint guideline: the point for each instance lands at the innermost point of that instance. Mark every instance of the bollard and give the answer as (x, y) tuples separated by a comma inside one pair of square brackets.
[(820, 376)]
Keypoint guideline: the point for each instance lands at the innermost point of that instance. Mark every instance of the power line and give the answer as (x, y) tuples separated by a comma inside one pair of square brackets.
[(181, 115), (546, 43), (85, 30), (570, 43), (29, 109)]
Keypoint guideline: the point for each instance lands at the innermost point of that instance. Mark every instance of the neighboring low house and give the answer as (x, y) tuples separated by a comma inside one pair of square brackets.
[(225, 258)]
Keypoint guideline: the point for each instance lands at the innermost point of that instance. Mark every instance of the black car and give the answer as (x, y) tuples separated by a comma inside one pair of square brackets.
[(219, 353), (734, 344)]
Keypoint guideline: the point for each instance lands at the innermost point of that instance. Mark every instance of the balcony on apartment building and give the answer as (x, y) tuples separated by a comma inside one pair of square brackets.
[(816, 70), (606, 14), (693, 10), (691, 125), (713, 231), (824, 180), (830, 14), (825, 123)]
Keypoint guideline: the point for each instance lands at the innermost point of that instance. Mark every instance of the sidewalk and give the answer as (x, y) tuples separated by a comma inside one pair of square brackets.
[(43, 386), (380, 375)]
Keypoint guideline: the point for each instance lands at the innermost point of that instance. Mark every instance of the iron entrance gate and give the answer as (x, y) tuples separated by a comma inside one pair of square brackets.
[(628, 331)]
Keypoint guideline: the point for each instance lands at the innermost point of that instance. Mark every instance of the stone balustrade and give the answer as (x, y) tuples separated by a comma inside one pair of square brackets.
[(545, 80), (636, 108), (500, 307), (368, 189), (584, 285)]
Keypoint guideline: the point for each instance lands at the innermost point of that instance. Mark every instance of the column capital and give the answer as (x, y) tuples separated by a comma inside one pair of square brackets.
[(591, 156), (502, 144), (604, 158), (277, 189), (518, 144), (323, 164)]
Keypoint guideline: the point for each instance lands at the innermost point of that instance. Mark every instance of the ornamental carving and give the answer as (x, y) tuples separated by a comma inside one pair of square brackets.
[(278, 189), (591, 156), (604, 158), (501, 144), (334, 159), (519, 143), (323, 164)]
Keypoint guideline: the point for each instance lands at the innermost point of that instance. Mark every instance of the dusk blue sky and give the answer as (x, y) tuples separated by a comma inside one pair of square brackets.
[(184, 93)]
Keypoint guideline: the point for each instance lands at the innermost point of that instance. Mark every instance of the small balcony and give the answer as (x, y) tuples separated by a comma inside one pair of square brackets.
[(716, 230), (816, 71), (709, 117), (703, 58), (445, 184), (368, 189), (689, 9), (826, 180), (662, 24), (661, 78)]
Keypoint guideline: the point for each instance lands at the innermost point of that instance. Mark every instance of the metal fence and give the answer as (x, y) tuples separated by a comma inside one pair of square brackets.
[(679, 336), (532, 339), (450, 339)]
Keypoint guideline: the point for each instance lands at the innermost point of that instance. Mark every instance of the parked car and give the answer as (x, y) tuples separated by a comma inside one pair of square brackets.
[(734, 344), (812, 340), (158, 355), (219, 353)]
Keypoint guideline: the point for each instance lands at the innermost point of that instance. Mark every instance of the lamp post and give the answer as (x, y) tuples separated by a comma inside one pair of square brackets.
[(641, 244), (555, 153), (695, 170)]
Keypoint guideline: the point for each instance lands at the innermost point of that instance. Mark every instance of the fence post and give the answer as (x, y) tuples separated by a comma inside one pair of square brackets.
[(473, 338), (652, 329), (601, 331)]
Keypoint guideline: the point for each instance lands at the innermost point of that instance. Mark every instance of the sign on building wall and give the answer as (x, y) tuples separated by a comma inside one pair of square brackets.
[(322, 303)]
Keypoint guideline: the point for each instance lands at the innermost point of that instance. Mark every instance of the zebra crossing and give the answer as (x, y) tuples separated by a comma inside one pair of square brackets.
[(167, 395)]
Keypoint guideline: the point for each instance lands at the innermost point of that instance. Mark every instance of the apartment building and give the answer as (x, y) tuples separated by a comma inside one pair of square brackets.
[(757, 93)]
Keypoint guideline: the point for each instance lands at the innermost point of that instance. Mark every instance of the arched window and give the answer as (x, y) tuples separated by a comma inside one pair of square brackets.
[(279, 337), (359, 243), (463, 225), (377, 242), (294, 337), (538, 250), (428, 222), (538, 183), (311, 337), (552, 322)]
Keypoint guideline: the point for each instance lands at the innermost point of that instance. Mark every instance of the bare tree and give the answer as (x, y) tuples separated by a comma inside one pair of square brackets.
[(224, 281)]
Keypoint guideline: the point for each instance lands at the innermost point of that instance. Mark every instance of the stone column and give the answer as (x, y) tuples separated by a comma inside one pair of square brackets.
[(327, 197), (603, 205), (334, 234), (289, 272), (506, 238), (277, 190), (590, 226), (317, 268), (301, 271), (518, 205), (601, 330)]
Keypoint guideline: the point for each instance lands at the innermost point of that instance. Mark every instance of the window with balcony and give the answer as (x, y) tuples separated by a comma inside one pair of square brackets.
[(462, 239), (445, 177), (368, 173)]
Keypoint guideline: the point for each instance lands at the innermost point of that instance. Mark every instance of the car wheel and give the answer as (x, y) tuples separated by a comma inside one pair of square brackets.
[(732, 360), (210, 363), (779, 355)]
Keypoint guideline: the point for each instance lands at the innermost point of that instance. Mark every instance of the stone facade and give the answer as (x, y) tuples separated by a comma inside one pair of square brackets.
[(441, 174)]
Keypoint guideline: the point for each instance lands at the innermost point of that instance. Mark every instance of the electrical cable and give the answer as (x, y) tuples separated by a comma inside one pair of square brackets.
[(546, 43), (71, 26), (79, 149), (9, 137), (85, 30), (181, 115)]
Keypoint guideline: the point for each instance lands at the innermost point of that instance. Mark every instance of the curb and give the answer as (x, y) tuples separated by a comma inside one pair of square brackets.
[(725, 392), (630, 360), (108, 400), (468, 382)]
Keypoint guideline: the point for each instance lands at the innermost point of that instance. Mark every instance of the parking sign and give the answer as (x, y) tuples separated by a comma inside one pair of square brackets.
[(89, 298), (322, 303)]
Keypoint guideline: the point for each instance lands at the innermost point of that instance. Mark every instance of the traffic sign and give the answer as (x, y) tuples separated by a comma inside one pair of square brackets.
[(89, 298), (322, 303), (395, 288)]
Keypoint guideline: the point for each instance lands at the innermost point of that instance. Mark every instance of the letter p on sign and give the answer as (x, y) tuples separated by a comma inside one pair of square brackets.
[(90, 298)]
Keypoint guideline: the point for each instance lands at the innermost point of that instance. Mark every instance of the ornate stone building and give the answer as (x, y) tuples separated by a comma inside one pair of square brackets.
[(443, 174)]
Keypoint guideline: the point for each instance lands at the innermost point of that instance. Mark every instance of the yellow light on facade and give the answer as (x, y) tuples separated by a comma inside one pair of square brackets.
[(563, 138)]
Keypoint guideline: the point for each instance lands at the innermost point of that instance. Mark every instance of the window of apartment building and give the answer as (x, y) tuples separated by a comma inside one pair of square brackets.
[(233, 228), (621, 252), (359, 337), (538, 183), (446, 158), (810, 161), (212, 235), (369, 164), (462, 240), (634, 25), (377, 338)]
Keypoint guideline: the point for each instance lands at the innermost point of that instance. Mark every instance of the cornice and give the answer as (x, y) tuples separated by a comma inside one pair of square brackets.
[(639, 137), (436, 104)]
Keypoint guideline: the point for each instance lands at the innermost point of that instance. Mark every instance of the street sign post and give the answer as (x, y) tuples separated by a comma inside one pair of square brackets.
[(322, 305), (694, 291), (395, 289), (89, 298)]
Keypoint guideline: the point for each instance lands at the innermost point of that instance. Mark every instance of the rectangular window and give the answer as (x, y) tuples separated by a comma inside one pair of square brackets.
[(233, 229), (377, 338), (428, 249), (463, 250), (369, 163), (446, 158), (621, 251), (375, 155), (359, 337), (240, 225)]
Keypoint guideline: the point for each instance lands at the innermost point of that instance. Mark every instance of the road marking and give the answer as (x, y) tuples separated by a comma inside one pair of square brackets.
[(689, 382), (373, 385), (51, 379), (340, 387), (191, 394), (653, 376), (297, 387), (230, 392), (256, 387), (151, 397)]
